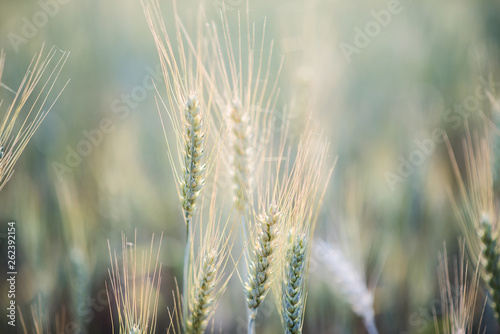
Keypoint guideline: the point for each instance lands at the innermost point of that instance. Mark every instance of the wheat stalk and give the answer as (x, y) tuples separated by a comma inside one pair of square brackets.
[(476, 210), (207, 280), (246, 88), (263, 252), (185, 74), (304, 189), (77, 227)]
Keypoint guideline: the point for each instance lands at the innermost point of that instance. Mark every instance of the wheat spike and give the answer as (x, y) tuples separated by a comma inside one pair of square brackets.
[(241, 144), (304, 189), (348, 281), (490, 263), (193, 180), (477, 210), (294, 285), (203, 296), (260, 269), (246, 91)]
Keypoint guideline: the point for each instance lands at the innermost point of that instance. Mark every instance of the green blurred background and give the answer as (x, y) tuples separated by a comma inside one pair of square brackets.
[(393, 94)]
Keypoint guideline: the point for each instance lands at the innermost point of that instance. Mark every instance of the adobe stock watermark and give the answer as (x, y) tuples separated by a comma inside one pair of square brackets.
[(420, 320), (227, 5), (89, 308), (122, 108), (371, 29), (30, 27), (454, 117), (266, 311)]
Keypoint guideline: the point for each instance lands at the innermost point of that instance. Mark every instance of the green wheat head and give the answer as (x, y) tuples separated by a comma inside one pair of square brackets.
[(260, 268), (203, 296), (490, 262), (241, 147), (293, 289), (192, 181)]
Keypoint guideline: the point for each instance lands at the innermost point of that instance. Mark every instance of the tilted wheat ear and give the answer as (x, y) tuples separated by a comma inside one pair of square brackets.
[(260, 269), (241, 134), (304, 192), (348, 281), (193, 180), (476, 208), (293, 297), (490, 263), (203, 296)]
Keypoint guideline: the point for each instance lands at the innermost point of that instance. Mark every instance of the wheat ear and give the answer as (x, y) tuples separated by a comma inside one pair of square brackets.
[(193, 180), (349, 282), (241, 159), (260, 269), (490, 262), (293, 293), (203, 296)]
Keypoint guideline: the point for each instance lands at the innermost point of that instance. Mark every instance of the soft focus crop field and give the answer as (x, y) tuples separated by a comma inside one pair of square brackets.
[(394, 86)]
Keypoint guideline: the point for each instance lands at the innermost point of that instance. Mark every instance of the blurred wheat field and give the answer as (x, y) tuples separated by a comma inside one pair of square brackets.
[(334, 164)]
